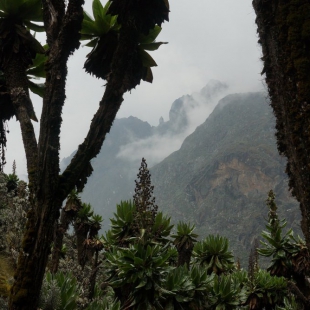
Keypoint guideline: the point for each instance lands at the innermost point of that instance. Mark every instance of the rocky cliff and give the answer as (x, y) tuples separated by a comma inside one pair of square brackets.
[(220, 177)]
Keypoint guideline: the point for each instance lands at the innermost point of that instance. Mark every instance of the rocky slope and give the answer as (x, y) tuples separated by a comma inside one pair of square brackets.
[(130, 139), (220, 177)]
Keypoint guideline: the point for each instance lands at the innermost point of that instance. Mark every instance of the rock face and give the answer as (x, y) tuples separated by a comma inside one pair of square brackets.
[(181, 108), (220, 177), (116, 167)]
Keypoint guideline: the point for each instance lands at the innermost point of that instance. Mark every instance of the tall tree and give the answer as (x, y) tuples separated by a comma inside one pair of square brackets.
[(284, 33), (127, 63)]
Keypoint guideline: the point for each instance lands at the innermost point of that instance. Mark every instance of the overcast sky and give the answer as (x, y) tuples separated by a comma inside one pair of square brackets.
[(208, 39)]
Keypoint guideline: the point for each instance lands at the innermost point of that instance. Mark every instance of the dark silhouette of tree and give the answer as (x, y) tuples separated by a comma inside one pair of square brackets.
[(284, 33), (128, 65)]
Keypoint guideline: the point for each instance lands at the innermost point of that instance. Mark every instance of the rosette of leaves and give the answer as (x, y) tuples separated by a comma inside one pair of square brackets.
[(139, 272), (201, 284), (290, 256), (16, 18), (146, 14), (264, 290), (178, 289), (213, 253), (95, 225), (102, 31), (104, 304), (121, 224), (161, 228), (11, 182), (184, 241), (224, 294), (59, 292)]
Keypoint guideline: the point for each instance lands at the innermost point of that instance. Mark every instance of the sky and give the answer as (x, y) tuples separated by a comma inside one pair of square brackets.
[(207, 39)]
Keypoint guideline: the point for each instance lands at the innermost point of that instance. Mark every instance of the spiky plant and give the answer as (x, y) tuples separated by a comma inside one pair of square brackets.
[(122, 223), (95, 225), (12, 182), (184, 241), (146, 13), (224, 294), (178, 289), (213, 253), (103, 31), (264, 290), (290, 255), (18, 52), (17, 45), (146, 209), (59, 292), (162, 228), (138, 273)]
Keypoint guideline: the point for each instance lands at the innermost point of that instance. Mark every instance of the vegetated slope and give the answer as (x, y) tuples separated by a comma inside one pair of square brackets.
[(116, 167), (220, 177)]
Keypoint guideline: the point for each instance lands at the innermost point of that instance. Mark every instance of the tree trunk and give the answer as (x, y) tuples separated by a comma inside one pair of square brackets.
[(284, 33), (61, 229), (50, 188)]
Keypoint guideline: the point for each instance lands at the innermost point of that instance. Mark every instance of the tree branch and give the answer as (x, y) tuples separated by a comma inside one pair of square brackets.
[(17, 84), (79, 169), (56, 73)]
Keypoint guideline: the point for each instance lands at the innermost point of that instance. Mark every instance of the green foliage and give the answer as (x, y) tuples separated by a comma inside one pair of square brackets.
[(224, 294), (289, 254), (102, 31), (59, 292), (85, 213), (213, 254), (162, 228), (104, 304), (179, 288), (11, 182), (184, 237), (94, 28), (187, 288), (121, 224), (15, 18), (25, 10), (265, 290), (103, 300), (143, 268)]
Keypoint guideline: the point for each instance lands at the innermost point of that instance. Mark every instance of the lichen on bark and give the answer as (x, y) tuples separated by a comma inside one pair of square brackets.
[(284, 33)]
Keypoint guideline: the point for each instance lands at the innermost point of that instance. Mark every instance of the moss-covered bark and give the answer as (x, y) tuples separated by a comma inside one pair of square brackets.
[(284, 33)]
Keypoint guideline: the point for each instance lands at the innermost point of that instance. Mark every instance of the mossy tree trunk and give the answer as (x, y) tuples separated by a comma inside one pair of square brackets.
[(284, 33), (48, 188)]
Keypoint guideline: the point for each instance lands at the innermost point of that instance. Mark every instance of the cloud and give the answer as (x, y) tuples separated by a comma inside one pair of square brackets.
[(197, 108)]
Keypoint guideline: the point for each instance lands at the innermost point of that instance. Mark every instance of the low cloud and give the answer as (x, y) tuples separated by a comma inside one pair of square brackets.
[(197, 108)]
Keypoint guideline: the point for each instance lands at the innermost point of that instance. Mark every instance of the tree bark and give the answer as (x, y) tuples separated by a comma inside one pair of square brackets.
[(62, 30), (284, 33), (63, 39)]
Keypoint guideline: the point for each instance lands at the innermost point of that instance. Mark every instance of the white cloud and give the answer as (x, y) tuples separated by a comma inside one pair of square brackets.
[(158, 147)]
